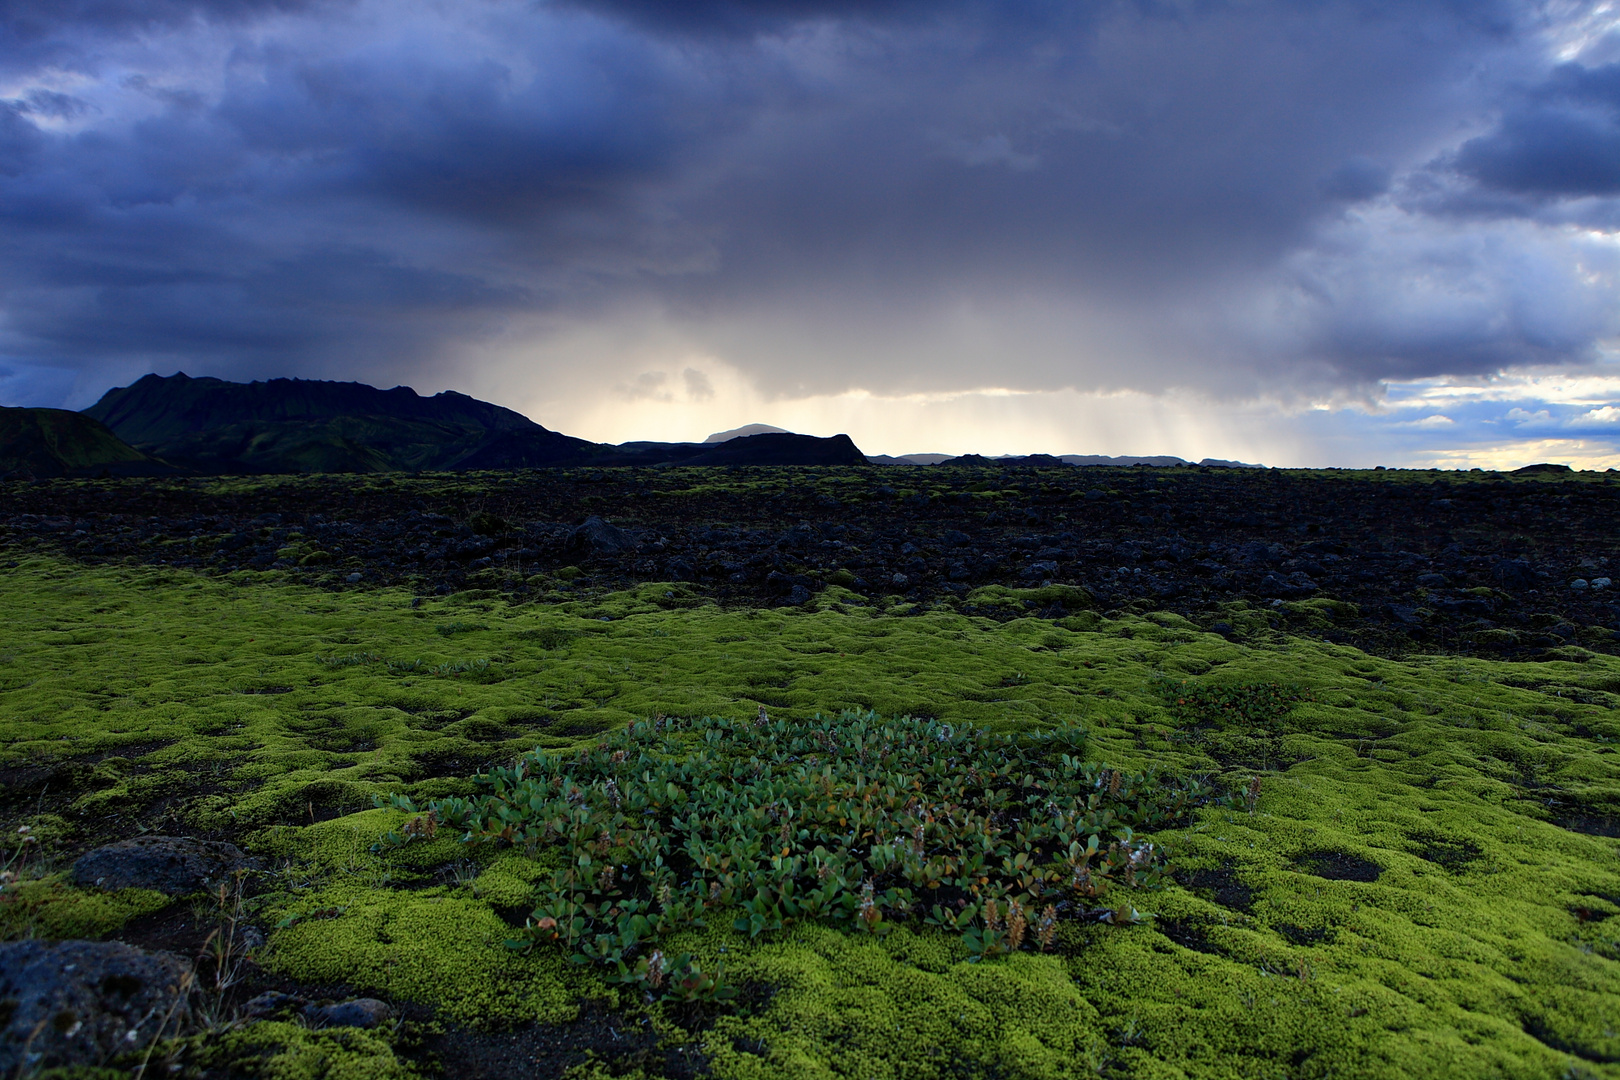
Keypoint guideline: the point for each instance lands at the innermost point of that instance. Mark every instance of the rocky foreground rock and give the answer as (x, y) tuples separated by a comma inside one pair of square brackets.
[(171, 865), (82, 1003)]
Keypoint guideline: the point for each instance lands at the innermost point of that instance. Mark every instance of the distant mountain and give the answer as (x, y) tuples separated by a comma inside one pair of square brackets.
[(209, 425), (745, 430), (908, 459), (770, 448), (1047, 461), (56, 442), (301, 426), (1161, 460)]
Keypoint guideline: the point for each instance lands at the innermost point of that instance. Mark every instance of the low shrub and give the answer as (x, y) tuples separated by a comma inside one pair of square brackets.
[(861, 822)]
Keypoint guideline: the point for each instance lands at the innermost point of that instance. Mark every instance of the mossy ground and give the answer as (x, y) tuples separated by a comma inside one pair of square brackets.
[(1427, 885)]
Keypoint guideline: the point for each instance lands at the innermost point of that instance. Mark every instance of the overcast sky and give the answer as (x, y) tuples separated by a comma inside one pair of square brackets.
[(1320, 232)]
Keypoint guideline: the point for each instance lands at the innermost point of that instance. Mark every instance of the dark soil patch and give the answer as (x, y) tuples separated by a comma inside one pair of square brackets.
[(458, 762), (1536, 1029), (1189, 935), (52, 783), (1590, 824), (322, 800), (1220, 884), (178, 928), (1453, 855), (516, 915), (1338, 866), (1305, 935), (622, 1044)]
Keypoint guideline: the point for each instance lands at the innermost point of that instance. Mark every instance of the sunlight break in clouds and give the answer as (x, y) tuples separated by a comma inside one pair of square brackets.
[(1271, 230)]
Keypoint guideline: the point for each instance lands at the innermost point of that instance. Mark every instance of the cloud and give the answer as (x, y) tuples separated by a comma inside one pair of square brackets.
[(1606, 415), (827, 199), (698, 386), (1562, 138)]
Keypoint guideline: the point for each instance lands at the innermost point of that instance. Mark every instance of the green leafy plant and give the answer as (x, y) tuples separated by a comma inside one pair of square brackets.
[(350, 660), (860, 821)]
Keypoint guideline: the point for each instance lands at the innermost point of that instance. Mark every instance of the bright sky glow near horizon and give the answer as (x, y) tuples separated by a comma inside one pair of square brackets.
[(1298, 232)]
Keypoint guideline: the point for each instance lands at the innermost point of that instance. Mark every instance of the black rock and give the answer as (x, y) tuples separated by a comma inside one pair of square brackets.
[(1292, 587), (270, 1003), (355, 1013), (780, 584), (1514, 573), (598, 537), (167, 864), (1404, 614), (78, 1003)]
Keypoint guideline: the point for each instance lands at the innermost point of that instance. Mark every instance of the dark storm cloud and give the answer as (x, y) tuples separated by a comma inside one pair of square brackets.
[(1562, 140), (267, 187), (742, 17), (462, 139), (34, 20)]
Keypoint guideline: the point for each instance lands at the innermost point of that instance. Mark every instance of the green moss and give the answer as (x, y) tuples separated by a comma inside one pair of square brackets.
[(49, 907), (440, 947), (1484, 793), (278, 1050)]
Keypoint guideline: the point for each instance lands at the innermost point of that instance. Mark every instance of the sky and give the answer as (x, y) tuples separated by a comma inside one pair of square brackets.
[(1307, 233)]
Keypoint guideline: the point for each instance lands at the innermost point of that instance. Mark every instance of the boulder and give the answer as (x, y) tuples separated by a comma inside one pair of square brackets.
[(598, 537), (80, 1003), (271, 1003), (356, 1013), (1514, 573), (171, 865)]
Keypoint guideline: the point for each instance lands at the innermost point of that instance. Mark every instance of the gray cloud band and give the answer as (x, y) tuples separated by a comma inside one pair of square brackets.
[(1222, 196)]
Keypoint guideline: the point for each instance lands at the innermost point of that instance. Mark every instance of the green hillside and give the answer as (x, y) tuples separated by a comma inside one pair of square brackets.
[(56, 442)]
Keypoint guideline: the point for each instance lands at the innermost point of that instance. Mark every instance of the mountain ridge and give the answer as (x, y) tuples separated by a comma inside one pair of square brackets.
[(213, 426)]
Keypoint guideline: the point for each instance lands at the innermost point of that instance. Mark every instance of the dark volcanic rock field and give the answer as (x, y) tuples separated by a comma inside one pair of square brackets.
[(1471, 562)]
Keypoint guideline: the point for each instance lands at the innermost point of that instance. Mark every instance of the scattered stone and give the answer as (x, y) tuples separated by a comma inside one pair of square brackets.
[(1292, 587), (354, 578), (356, 1013), (1514, 573), (600, 538), (79, 1003), (1190, 547), (171, 865), (272, 1002), (1579, 583)]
